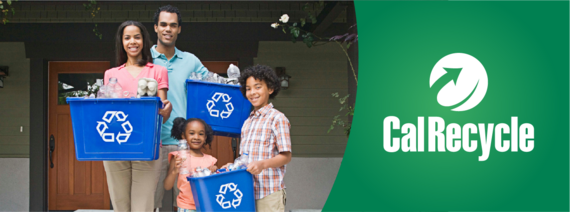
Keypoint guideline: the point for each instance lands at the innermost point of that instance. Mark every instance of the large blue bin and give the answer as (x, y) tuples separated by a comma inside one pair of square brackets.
[(222, 106), (228, 191), (116, 129)]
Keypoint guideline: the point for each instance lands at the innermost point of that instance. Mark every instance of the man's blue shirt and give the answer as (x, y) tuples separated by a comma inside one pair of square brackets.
[(180, 66)]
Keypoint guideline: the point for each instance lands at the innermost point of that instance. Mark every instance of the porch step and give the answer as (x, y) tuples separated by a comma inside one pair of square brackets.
[(305, 210), (93, 210)]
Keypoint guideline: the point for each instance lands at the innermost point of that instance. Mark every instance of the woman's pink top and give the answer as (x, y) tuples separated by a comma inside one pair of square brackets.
[(130, 83)]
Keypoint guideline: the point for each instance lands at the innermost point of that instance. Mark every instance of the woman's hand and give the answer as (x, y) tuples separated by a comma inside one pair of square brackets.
[(256, 167), (165, 112)]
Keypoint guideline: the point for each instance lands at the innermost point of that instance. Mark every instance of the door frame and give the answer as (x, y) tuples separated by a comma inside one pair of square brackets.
[(38, 136), (39, 101), (53, 121)]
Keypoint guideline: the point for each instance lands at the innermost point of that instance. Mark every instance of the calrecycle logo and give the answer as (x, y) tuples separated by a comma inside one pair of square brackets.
[(468, 83), (235, 201), (225, 99), (110, 137)]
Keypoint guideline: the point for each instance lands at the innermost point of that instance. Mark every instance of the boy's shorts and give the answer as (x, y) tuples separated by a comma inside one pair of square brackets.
[(185, 210), (273, 202)]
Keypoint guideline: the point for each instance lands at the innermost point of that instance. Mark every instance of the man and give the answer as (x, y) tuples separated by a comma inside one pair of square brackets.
[(180, 65)]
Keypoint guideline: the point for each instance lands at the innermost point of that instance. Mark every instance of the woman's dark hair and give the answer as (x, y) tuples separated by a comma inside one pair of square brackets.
[(121, 54), (168, 9), (179, 127), (263, 73)]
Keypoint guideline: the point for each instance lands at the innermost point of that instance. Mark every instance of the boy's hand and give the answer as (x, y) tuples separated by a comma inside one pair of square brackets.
[(255, 167)]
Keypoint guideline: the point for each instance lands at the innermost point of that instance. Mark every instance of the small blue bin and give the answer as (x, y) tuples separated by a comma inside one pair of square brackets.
[(126, 129), (222, 106), (228, 191)]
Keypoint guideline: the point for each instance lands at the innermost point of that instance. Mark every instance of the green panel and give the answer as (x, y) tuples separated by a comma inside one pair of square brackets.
[(524, 48)]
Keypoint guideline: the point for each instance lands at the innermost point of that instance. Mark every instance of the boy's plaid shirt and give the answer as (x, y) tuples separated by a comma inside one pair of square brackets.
[(263, 135)]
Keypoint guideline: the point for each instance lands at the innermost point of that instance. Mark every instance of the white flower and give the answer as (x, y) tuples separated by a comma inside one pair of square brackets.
[(284, 18), (275, 25)]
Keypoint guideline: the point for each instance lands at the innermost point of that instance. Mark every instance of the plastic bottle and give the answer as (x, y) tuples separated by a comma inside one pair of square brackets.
[(101, 93), (240, 163), (183, 153), (233, 75), (114, 90), (233, 71)]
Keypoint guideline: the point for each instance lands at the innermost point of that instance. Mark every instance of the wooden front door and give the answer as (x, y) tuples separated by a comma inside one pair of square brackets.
[(72, 184), (221, 146)]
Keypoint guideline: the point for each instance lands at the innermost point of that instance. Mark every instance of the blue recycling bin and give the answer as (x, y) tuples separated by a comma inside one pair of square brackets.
[(121, 129), (228, 191), (221, 106)]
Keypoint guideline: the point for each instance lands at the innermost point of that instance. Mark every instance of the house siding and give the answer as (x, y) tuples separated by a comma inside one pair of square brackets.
[(15, 102), (15, 184), (316, 73)]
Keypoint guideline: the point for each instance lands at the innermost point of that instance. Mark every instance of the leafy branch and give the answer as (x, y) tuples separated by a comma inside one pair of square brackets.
[(94, 10), (5, 9), (310, 39), (296, 29), (337, 120)]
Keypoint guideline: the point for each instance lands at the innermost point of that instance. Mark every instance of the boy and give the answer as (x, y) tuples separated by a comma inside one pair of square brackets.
[(265, 137)]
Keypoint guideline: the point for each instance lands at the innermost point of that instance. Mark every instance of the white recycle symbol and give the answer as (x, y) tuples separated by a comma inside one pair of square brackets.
[(227, 204), (110, 137), (212, 103)]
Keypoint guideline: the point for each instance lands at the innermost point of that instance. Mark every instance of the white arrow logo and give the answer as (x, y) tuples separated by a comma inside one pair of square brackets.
[(469, 86), (110, 137)]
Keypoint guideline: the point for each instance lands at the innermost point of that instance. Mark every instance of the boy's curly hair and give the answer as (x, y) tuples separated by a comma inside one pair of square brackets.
[(179, 127), (263, 73)]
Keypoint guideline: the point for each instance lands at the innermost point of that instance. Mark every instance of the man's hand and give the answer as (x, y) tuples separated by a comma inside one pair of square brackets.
[(256, 167)]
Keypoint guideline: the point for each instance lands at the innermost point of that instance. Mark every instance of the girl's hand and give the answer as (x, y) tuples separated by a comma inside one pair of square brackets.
[(255, 167), (178, 162), (213, 168), (226, 166)]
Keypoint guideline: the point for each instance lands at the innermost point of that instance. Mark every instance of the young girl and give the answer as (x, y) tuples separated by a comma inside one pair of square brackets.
[(198, 134), (132, 183)]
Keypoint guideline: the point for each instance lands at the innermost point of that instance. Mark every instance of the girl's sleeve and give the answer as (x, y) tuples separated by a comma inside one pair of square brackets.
[(171, 155), (214, 160), (162, 77)]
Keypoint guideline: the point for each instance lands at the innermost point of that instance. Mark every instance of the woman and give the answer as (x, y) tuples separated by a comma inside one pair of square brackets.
[(132, 183)]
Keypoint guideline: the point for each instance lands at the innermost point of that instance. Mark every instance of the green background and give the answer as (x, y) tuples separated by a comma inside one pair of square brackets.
[(525, 50)]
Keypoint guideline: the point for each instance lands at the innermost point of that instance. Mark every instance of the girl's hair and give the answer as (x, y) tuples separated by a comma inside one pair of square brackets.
[(179, 127), (121, 54)]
